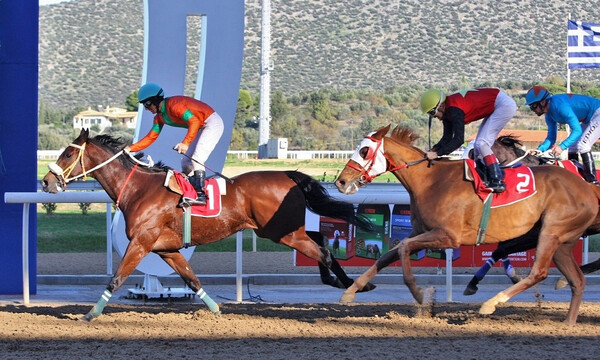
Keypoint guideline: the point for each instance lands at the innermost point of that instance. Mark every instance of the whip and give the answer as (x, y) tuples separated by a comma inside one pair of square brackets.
[(229, 180)]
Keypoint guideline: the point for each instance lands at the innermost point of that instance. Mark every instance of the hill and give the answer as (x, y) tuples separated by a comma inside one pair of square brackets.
[(91, 50)]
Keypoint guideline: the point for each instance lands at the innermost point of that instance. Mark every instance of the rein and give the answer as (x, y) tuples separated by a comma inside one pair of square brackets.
[(60, 172), (65, 179)]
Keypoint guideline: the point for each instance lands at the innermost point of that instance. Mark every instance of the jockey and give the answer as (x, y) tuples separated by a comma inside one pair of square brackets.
[(495, 107), (581, 113), (204, 125)]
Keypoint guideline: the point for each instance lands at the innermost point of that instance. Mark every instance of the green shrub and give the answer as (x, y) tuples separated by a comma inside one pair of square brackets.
[(49, 207)]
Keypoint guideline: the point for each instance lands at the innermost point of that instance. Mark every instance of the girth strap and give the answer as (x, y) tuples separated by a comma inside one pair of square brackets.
[(485, 217)]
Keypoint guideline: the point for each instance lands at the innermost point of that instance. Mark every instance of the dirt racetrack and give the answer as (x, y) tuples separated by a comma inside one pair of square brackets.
[(307, 331)]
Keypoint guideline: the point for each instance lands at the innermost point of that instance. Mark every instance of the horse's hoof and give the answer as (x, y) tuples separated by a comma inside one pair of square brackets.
[(419, 296), (348, 297), (367, 287), (86, 318), (487, 308), (561, 283), (470, 290)]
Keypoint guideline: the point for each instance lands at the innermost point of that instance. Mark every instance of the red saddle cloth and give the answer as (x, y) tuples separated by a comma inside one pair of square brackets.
[(520, 185), (213, 196), (574, 168)]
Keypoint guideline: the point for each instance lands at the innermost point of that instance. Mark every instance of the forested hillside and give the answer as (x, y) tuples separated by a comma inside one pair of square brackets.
[(91, 50), (339, 66)]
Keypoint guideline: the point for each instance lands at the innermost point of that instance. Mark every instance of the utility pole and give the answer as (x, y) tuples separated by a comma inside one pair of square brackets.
[(264, 117)]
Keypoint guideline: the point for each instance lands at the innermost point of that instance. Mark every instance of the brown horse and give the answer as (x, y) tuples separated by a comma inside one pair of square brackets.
[(273, 203), (508, 150), (445, 213)]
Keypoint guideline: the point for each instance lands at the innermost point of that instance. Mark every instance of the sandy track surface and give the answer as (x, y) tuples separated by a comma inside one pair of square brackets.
[(305, 331)]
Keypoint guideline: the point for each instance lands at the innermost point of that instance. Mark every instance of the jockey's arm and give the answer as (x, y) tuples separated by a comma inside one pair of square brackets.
[(454, 132)]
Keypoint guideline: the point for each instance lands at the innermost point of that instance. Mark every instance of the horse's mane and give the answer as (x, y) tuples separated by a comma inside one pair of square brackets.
[(117, 144), (510, 141), (404, 135)]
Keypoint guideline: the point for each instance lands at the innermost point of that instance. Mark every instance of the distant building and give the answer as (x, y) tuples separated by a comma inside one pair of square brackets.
[(530, 138), (105, 118)]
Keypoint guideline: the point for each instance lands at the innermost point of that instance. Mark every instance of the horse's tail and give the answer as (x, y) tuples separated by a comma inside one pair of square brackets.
[(320, 202)]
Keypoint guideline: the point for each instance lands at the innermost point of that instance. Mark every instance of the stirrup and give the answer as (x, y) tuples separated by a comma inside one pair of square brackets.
[(186, 201), (200, 200), (497, 188)]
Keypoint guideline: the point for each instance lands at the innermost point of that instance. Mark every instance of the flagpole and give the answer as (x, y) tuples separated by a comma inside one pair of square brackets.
[(568, 70)]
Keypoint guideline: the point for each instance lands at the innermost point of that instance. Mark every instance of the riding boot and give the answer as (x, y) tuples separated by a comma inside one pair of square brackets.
[(197, 182), (589, 168), (573, 157), (495, 177)]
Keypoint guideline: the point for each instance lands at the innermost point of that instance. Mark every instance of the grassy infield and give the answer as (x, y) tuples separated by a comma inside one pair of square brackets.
[(68, 230)]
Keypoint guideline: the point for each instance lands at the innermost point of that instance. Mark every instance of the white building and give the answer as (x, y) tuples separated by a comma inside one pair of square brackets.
[(105, 118)]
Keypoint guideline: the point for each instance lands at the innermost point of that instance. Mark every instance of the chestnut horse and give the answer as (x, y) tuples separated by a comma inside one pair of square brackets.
[(273, 203), (445, 213), (508, 150)]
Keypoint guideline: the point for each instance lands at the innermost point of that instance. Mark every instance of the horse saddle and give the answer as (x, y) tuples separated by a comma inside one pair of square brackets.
[(215, 187), (520, 184)]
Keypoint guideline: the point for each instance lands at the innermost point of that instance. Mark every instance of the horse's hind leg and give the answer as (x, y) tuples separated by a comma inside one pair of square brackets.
[(565, 262), (326, 277), (342, 281), (183, 268), (586, 269)]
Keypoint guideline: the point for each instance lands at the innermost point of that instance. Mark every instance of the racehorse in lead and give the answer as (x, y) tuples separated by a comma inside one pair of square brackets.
[(273, 203), (445, 213)]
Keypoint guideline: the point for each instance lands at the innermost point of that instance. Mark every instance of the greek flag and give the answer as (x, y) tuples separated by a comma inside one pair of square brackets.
[(583, 45)]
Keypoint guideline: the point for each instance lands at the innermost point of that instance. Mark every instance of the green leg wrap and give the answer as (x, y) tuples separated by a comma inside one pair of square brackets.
[(208, 301), (99, 307)]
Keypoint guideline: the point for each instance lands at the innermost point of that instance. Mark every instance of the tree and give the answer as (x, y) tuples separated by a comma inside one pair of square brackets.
[(246, 111), (131, 103)]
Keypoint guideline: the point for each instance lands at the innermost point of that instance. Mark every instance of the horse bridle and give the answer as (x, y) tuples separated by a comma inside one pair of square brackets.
[(64, 179), (371, 158)]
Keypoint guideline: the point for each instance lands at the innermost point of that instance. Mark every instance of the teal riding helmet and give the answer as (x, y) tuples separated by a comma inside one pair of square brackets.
[(149, 91)]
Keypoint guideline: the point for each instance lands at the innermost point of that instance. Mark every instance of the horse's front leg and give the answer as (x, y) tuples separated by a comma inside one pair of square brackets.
[(434, 239), (133, 255), (183, 268), (364, 280), (547, 245)]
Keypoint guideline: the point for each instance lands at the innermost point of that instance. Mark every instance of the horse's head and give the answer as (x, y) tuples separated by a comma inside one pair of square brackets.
[(371, 159), (69, 164), (367, 162)]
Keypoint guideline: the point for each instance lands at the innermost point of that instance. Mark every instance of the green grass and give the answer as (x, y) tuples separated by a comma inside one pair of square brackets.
[(69, 231)]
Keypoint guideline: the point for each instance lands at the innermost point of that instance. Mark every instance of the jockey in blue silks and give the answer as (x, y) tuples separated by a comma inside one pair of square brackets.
[(581, 113)]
